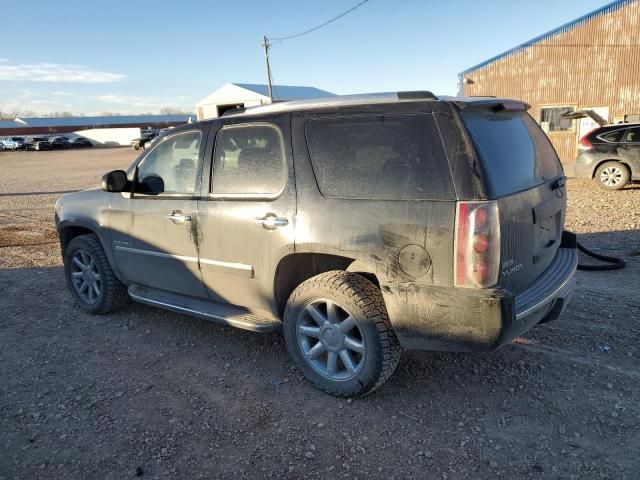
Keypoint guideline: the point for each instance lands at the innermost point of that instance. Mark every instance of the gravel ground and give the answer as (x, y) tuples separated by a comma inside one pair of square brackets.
[(144, 392)]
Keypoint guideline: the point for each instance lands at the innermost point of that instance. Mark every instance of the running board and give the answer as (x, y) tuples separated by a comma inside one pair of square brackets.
[(225, 314)]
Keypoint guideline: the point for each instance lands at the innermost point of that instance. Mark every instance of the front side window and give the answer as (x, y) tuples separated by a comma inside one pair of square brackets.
[(171, 166), (552, 120), (248, 159)]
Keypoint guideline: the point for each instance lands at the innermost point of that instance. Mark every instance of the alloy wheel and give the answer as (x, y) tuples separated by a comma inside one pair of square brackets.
[(330, 340), (611, 176), (85, 277)]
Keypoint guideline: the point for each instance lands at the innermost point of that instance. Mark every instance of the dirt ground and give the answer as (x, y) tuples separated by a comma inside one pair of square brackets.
[(145, 392)]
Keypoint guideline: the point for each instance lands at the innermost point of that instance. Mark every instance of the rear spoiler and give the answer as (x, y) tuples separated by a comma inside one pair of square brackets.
[(495, 104)]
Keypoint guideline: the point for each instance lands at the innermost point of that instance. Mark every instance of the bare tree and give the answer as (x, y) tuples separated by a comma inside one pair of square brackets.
[(12, 114), (59, 115), (175, 111)]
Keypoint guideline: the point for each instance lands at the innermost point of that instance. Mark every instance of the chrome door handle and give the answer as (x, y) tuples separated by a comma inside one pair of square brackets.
[(178, 217), (270, 222)]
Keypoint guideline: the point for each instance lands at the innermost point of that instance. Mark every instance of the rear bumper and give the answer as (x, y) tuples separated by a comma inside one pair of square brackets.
[(583, 170), (427, 317)]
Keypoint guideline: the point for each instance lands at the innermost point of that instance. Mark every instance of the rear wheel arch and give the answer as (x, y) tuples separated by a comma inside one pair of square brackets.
[(598, 164), (296, 268)]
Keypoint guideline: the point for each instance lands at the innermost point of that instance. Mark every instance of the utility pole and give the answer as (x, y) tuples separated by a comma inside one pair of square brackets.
[(266, 46)]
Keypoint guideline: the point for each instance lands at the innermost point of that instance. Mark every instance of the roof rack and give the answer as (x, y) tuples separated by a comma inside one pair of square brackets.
[(335, 101)]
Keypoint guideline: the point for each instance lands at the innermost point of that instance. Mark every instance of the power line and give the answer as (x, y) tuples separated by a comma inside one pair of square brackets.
[(280, 39), (267, 42)]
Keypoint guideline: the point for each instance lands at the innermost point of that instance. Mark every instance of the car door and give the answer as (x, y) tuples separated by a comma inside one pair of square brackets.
[(153, 230), (246, 221), (629, 148)]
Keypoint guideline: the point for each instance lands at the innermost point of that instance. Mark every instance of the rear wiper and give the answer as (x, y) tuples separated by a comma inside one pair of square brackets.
[(558, 183)]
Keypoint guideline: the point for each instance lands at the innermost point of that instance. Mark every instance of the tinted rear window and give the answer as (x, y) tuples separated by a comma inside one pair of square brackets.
[(516, 153), (382, 157), (611, 136)]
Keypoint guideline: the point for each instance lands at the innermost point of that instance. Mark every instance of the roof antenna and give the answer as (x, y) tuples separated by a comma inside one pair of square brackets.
[(266, 46)]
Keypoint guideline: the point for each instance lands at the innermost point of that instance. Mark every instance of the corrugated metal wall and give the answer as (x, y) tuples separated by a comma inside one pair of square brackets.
[(592, 64)]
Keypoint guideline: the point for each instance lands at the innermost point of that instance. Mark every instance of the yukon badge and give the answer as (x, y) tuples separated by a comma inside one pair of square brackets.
[(507, 268)]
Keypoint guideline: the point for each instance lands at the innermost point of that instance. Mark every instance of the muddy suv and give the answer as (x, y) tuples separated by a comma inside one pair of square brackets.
[(358, 225)]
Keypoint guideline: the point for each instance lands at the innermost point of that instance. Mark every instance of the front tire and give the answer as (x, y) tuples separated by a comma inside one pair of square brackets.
[(612, 175), (337, 331), (90, 277)]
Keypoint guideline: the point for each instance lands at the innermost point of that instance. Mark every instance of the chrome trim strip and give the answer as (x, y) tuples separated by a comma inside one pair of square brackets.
[(185, 258)]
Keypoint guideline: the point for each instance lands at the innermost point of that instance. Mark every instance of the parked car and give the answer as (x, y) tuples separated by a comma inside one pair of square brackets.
[(59, 142), (80, 142), (410, 222), (41, 144), (21, 142), (610, 155), (8, 144), (157, 138), (141, 142)]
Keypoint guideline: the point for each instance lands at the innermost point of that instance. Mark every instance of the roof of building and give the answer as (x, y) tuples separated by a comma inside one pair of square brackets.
[(285, 92), (545, 36), (99, 121), (10, 124)]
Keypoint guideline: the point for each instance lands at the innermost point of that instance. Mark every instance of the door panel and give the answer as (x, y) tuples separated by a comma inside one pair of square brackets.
[(247, 229), (153, 233), (155, 251)]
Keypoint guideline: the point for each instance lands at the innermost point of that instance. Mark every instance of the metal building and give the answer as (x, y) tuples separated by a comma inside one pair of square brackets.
[(590, 63), (239, 95)]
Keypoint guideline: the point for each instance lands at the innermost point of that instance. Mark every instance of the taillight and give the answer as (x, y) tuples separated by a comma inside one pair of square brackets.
[(477, 246), (584, 143)]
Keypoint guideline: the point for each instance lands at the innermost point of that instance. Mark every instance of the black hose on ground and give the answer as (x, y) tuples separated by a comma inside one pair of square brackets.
[(615, 263)]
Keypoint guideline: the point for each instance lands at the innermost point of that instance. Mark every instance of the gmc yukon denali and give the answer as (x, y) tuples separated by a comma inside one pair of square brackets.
[(358, 225)]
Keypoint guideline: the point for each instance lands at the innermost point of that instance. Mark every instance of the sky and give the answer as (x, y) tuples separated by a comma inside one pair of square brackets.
[(134, 57)]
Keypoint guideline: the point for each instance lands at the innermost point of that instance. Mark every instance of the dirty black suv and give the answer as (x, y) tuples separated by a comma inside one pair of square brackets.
[(359, 225)]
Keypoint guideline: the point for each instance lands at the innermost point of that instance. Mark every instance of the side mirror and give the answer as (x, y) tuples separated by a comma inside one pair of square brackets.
[(151, 185), (115, 181)]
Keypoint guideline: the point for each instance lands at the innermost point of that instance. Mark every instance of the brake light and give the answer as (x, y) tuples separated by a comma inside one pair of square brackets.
[(477, 246), (584, 143)]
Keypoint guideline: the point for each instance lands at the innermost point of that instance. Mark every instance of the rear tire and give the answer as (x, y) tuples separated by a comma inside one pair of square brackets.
[(612, 175), (90, 277), (337, 331)]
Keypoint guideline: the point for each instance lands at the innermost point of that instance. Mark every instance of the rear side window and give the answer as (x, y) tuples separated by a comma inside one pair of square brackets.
[(379, 157), (516, 153), (631, 135), (611, 136), (248, 159)]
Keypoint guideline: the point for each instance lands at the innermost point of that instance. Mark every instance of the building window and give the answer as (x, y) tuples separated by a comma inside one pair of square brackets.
[(551, 119)]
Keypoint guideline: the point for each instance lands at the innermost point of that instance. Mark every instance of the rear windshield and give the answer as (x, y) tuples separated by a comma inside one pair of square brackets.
[(516, 153), (380, 157)]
